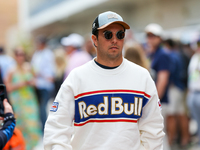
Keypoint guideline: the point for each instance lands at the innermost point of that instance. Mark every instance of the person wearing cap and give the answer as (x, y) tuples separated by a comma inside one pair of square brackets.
[(160, 66), (75, 55), (159, 60), (108, 103)]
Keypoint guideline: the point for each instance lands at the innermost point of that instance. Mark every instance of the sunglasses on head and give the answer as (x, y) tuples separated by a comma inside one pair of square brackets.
[(108, 35)]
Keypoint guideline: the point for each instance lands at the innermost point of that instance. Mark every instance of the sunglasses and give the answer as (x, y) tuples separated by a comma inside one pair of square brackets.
[(108, 35)]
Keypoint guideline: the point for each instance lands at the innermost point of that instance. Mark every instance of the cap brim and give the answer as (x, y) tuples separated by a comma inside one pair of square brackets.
[(125, 25)]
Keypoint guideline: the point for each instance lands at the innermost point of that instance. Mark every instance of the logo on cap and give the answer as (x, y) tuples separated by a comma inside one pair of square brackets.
[(112, 16)]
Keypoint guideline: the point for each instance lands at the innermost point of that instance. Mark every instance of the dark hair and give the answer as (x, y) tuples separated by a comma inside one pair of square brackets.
[(170, 42), (96, 33)]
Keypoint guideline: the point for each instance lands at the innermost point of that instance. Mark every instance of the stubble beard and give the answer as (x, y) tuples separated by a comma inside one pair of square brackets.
[(109, 56)]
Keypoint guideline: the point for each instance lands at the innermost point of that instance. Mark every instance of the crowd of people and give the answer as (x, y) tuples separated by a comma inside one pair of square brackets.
[(174, 67)]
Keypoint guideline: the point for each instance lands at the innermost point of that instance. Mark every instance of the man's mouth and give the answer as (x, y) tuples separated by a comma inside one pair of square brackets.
[(113, 47)]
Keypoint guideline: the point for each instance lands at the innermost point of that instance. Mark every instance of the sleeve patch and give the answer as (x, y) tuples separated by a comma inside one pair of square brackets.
[(54, 106)]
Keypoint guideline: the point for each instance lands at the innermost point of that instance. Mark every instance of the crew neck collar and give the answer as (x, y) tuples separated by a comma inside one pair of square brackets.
[(113, 71), (103, 66)]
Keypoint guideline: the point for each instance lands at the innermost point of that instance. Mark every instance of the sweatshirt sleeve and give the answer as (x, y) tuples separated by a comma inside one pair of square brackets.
[(59, 125), (151, 123)]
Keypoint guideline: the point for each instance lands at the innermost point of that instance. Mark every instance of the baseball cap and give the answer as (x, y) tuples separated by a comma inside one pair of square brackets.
[(73, 39), (105, 19), (154, 28)]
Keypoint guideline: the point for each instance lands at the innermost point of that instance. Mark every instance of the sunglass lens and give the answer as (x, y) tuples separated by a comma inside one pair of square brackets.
[(120, 35), (108, 35)]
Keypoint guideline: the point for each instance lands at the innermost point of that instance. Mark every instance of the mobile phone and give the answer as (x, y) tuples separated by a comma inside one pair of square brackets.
[(2, 97)]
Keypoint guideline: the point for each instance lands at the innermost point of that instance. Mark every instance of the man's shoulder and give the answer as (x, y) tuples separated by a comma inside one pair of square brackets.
[(136, 67)]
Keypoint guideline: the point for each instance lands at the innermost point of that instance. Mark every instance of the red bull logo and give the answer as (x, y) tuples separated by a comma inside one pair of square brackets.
[(54, 106)]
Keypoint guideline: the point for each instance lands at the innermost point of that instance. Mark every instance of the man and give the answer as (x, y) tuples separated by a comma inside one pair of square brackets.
[(44, 68), (75, 55), (113, 102), (176, 115), (160, 66), (160, 60)]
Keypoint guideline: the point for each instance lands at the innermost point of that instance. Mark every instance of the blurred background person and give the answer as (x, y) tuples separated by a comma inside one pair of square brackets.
[(60, 62), (6, 62), (193, 100), (9, 123), (177, 120), (20, 85), (135, 53), (76, 56), (160, 60), (159, 67), (43, 63), (89, 47)]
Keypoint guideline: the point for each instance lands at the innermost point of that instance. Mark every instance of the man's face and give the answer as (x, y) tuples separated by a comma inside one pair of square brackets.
[(153, 41), (69, 49), (109, 49)]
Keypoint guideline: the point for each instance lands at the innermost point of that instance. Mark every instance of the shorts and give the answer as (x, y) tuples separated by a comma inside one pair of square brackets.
[(176, 102)]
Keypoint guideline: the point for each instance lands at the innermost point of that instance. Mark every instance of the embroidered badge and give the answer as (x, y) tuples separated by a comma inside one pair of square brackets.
[(112, 16), (54, 106)]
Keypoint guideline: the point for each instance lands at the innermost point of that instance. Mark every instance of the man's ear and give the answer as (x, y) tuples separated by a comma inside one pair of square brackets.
[(94, 39)]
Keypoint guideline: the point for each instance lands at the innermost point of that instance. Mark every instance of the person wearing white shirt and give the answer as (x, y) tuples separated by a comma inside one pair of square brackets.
[(108, 103), (44, 68)]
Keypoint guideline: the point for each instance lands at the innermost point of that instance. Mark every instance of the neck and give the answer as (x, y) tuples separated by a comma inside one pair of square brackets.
[(110, 62), (20, 67)]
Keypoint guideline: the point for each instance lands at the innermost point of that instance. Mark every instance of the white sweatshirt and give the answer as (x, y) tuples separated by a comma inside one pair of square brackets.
[(105, 109)]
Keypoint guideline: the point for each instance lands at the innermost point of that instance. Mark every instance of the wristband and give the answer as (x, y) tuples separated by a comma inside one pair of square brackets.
[(9, 116)]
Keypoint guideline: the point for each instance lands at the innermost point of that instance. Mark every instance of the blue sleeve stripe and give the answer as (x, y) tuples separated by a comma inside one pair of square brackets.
[(9, 131)]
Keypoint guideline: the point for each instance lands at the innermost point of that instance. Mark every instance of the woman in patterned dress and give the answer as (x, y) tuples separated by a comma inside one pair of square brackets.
[(20, 85)]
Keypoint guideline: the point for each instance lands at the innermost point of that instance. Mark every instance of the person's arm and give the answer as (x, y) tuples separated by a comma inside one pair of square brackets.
[(151, 123), (13, 86), (162, 82), (59, 125), (163, 73), (9, 124)]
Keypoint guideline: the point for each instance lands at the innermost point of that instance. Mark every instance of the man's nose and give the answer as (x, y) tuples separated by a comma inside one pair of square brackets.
[(114, 39)]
